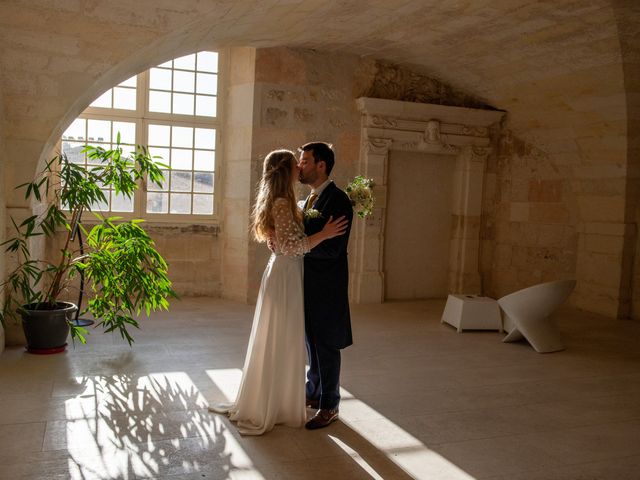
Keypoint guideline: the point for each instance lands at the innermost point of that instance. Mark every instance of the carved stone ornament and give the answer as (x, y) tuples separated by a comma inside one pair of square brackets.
[(379, 146), (383, 122), (480, 151), (475, 131), (432, 132), (410, 146)]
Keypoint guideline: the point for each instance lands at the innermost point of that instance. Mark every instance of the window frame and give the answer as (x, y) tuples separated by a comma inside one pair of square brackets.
[(141, 117)]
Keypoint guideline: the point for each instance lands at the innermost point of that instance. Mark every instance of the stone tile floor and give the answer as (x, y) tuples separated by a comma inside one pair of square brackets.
[(419, 401)]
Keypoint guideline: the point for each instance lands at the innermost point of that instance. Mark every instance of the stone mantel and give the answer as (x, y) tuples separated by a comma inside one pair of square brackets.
[(460, 132), (406, 111)]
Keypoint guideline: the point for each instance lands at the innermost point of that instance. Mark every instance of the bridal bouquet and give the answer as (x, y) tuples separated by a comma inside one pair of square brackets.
[(360, 191)]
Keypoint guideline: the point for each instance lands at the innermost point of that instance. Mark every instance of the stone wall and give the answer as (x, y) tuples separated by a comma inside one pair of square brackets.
[(380, 79), (3, 209), (529, 221), (193, 254), (629, 31), (191, 251)]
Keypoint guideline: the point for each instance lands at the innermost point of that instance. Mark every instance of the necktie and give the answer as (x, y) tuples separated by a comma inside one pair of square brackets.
[(310, 200)]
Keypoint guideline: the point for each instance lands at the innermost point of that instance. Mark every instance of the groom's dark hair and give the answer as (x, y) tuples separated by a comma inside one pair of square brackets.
[(321, 151)]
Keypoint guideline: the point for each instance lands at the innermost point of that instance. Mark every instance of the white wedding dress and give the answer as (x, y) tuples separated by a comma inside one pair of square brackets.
[(273, 377)]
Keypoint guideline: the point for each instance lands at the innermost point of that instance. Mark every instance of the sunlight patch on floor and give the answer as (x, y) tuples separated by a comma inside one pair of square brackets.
[(123, 426), (357, 458), (402, 448), (227, 380)]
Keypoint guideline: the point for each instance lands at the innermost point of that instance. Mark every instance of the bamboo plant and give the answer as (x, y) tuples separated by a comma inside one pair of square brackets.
[(121, 267)]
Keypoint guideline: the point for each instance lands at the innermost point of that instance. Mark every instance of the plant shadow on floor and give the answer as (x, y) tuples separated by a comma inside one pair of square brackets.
[(146, 426)]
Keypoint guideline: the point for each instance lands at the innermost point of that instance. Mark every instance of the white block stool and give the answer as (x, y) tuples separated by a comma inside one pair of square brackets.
[(472, 312)]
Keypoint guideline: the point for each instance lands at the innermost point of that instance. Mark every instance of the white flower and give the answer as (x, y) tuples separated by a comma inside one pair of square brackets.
[(312, 213)]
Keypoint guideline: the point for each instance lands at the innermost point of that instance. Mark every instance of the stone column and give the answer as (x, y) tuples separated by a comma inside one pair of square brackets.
[(368, 283), (237, 180), (464, 270)]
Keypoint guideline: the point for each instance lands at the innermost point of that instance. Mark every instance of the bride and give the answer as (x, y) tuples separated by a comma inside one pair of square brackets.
[(273, 377)]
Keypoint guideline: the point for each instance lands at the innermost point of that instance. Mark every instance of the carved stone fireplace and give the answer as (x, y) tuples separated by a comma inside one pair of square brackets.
[(461, 133)]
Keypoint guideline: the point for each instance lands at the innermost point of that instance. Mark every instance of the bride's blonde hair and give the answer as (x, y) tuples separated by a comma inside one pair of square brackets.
[(276, 182)]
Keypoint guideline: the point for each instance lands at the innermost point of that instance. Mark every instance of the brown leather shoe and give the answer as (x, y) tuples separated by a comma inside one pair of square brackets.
[(322, 418), (315, 404)]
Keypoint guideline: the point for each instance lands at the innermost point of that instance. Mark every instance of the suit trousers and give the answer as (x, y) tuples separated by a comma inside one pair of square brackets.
[(323, 377)]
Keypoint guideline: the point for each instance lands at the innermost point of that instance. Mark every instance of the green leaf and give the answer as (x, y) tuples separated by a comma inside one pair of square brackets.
[(29, 220)]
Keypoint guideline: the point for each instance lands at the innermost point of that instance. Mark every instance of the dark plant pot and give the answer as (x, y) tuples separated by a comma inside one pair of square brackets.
[(46, 330)]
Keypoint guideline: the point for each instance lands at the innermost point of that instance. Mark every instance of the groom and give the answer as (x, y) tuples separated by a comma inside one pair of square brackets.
[(326, 280)]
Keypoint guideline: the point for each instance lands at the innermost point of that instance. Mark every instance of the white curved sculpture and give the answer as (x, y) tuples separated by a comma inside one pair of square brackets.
[(527, 314)]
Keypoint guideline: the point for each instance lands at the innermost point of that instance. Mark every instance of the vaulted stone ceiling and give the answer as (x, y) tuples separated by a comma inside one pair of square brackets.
[(499, 50), (557, 66)]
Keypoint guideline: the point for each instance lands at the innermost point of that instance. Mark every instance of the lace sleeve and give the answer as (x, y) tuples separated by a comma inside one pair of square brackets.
[(290, 237)]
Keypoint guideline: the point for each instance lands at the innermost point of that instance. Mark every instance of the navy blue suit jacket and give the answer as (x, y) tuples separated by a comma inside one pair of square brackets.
[(326, 274)]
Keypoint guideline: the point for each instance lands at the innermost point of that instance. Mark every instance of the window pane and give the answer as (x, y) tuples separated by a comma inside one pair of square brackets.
[(130, 82), (76, 130), (120, 203), (152, 187), (128, 150), (101, 206), (99, 130), (207, 83), (205, 138), (180, 203), (203, 204), (159, 136), (162, 153), (183, 81), (183, 103), (96, 161), (188, 62), (127, 132), (182, 137), (73, 151), (103, 100), (180, 181), (204, 160), (180, 159), (160, 79), (124, 98), (206, 106), (203, 182), (159, 101), (178, 88), (157, 202), (207, 62)]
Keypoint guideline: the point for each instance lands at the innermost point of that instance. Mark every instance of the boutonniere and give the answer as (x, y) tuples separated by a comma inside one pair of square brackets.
[(312, 213)]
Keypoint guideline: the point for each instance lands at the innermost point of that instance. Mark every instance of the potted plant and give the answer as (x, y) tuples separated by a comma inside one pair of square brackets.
[(123, 270)]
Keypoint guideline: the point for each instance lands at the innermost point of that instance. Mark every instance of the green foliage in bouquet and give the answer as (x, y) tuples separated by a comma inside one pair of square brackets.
[(360, 191)]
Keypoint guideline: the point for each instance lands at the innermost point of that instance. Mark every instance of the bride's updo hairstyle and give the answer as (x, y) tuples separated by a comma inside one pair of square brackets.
[(276, 182)]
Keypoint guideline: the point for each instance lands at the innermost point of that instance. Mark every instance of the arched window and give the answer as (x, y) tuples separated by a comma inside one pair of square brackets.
[(172, 108)]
